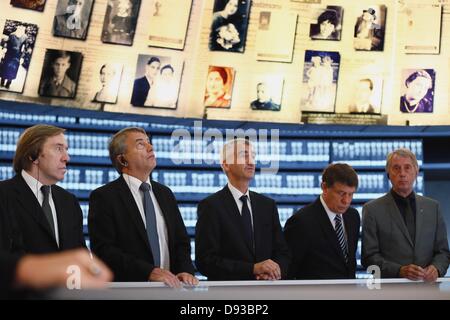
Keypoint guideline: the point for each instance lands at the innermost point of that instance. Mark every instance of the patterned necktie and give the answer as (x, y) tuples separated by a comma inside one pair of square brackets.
[(47, 209), (340, 235), (150, 219), (247, 222)]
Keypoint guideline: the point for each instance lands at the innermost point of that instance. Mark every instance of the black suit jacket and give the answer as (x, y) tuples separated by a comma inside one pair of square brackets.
[(314, 245), (31, 231), (221, 251), (140, 91), (118, 234)]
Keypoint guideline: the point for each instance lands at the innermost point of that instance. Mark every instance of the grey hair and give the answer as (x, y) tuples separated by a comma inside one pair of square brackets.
[(117, 145), (404, 153)]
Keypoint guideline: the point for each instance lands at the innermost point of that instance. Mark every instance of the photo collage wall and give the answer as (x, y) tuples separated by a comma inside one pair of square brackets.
[(229, 59)]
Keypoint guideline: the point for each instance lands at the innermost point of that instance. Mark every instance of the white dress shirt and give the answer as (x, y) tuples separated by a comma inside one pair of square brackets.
[(332, 215), (35, 187), (237, 195), (134, 185)]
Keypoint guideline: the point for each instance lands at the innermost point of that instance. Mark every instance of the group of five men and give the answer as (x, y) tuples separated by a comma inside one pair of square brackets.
[(136, 228)]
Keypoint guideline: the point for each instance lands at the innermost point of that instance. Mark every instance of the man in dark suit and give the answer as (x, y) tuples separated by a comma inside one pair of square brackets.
[(238, 232), (323, 236), (46, 218), (142, 85), (135, 225), (404, 233)]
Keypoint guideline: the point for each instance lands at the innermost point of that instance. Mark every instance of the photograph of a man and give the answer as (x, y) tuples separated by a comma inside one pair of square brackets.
[(60, 73), (367, 96), (418, 91), (269, 90), (72, 18)]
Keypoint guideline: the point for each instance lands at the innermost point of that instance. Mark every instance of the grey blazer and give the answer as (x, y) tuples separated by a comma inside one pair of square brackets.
[(387, 243)]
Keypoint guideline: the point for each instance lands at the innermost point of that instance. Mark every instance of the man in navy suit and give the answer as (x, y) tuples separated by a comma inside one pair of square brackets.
[(323, 236), (238, 232), (135, 225), (143, 85), (46, 217)]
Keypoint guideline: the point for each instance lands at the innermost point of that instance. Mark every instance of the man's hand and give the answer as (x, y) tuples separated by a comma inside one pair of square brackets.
[(431, 273), (50, 270), (187, 278), (267, 270), (412, 272), (161, 275)]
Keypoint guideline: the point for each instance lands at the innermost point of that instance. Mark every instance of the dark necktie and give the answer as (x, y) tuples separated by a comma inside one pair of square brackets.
[(409, 220), (340, 235), (150, 219), (47, 209), (247, 222)]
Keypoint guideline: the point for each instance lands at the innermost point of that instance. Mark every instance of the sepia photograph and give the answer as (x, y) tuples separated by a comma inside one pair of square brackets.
[(157, 81), (367, 94), (168, 27), (37, 5), (60, 73), (327, 24), (109, 82), (229, 25), (72, 18), (269, 45), (16, 47), (370, 28), (119, 24), (320, 76), (268, 92), (219, 87), (417, 90)]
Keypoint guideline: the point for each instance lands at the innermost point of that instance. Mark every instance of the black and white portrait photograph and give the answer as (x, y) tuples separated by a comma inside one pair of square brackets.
[(119, 25), (219, 87), (320, 76), (72, 18), (109, 76), (60, 72), (268, 92), (327, 23), (16, 47), (417, 90), (370, 28), (157, 81), (229, 25), (367, 94), (37, 5)]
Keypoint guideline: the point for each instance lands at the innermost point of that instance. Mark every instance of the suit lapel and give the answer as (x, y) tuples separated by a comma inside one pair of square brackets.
[(132, 208), (60, 215), (25, 197), (348, 223), (257, 211), (235, 215), (419, 217), (397, 217), (327, 229), (164, 206)]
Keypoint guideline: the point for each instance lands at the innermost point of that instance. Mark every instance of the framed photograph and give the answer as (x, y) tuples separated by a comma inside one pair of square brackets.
[(72, 18), (423, 28), (269, 45), (417, 90), (60, 73), (327, 23), (119, 25), (320, 76), (37, 5), (219, 87), (268, 92), (157, 82), (229, 25), (16, 48), (109, 82), (370, 28), (366, 93), (168, 27)]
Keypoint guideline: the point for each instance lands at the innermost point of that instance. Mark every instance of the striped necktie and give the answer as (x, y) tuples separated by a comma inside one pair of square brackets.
[(340, 235)]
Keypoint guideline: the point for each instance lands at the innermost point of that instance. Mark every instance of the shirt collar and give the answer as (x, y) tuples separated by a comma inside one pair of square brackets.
[(34, 184), (331, 214), (410, 197), (237, 194), (134, 183)]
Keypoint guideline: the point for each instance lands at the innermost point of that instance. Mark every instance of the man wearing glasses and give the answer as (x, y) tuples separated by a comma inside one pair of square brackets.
[(135, 225)]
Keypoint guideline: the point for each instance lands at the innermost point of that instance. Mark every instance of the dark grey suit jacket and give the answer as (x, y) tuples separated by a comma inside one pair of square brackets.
[(387, 243)]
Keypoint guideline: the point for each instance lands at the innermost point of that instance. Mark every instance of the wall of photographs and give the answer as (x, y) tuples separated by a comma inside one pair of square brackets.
[(261, 60)]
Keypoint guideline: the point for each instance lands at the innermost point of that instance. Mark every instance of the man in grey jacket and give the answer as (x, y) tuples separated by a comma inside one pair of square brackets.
[(404, 233)]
